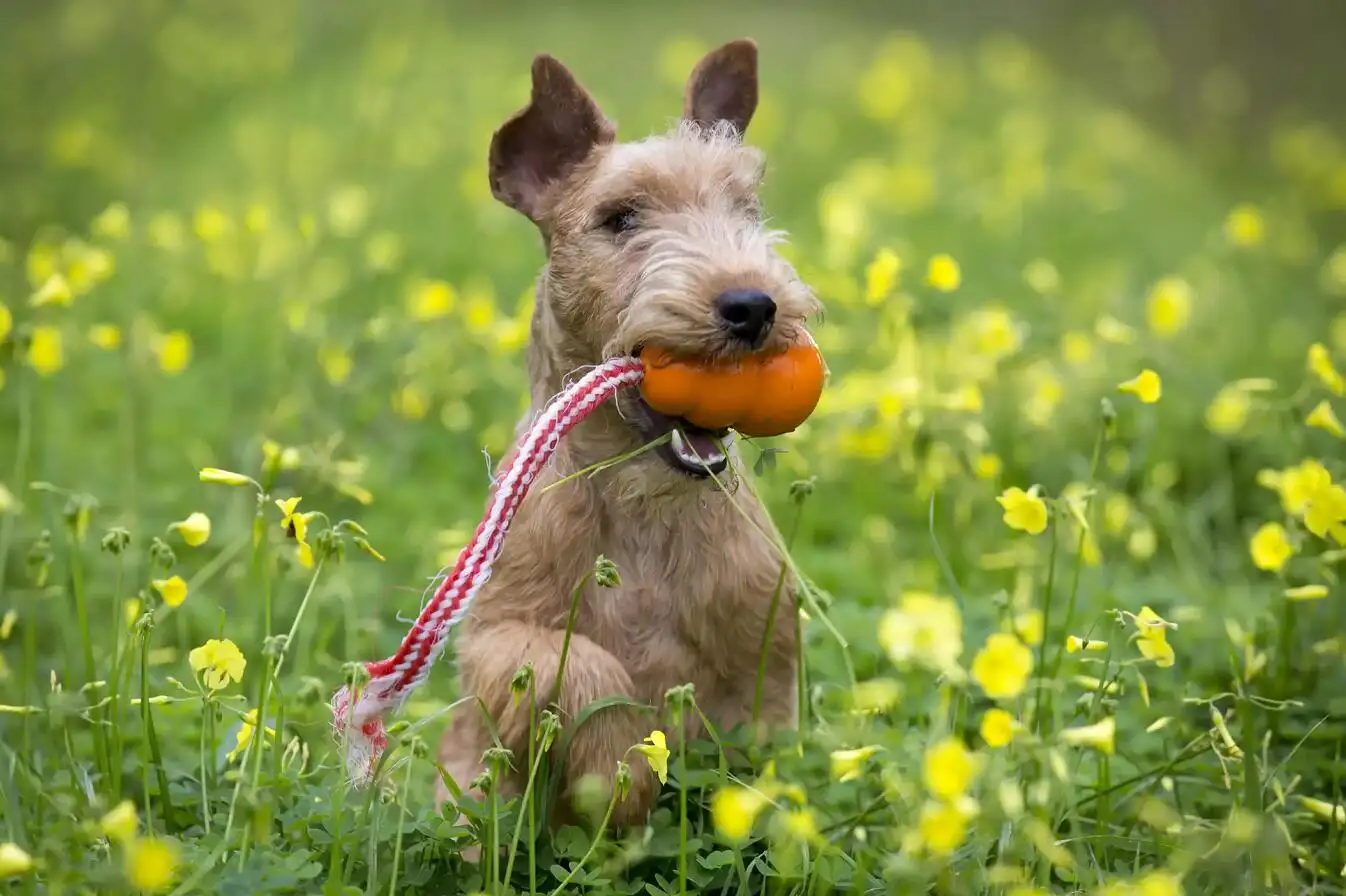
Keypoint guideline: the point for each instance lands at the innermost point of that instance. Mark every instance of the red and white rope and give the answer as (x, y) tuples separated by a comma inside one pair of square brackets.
[(360, 720)]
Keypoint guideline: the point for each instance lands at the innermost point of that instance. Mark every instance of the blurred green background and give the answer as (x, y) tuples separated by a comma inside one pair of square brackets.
[(304, 202), (273, 220)]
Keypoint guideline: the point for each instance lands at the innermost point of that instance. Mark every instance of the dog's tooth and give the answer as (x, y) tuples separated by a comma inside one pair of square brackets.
[(679, 444)]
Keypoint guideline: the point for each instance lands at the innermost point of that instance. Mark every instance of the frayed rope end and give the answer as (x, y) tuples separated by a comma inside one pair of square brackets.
[(364, 740)]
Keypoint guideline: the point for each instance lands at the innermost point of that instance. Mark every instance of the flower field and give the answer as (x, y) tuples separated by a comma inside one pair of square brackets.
[(1071, 512)]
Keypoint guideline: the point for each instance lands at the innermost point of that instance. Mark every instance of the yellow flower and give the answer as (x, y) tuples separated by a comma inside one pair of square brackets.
[(1297, 485), (6, 321), (1152, 637), (120, 823), (224, 477), (55, 291), (1102, 736), (1244, 226), (1228, 411), (105, 336), (733, 809), (1320, 364), (1024, 510), (1041, 276), (276, 457), (151, 864), (1110, 329), (1157, 883), (943, 825), (174, 351), (1146, 386), (430, 299), (1028, 625), (1076, 347), (874, 696), (1270, 547), (655, 750), (1326, 511), (943, 273), (14, 861), (219, 662), (1169, 306), (195, 529), (846, 765), (987, 466), (1307, 592), (411, 402), (1002, 666), (245, 734), (997, 728), (336, 364), (45, 352), (113, 222), (210, 224), (924, 629), (881, 276), (1323, 417), (1075, 645), (294, 524), (798, 824), (949, 769), (173, 590)]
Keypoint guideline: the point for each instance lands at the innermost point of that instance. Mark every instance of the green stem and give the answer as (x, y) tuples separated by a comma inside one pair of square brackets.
[(682, 797), (206, 744), (154, 759), (534, 759), (401, 825), (86, 647), (1039, 715), (570, 629), (771, 615), (22, 448), (23, 444), (1087, 514), (593, 846), (114, 680)]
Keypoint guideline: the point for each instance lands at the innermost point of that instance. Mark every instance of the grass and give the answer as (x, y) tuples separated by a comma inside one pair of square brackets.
[(266, 245)]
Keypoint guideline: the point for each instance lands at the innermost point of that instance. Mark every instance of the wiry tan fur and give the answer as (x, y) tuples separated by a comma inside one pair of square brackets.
[(696, 578)]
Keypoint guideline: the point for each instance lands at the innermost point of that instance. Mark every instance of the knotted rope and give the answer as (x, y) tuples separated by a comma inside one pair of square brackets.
[(359, 718)]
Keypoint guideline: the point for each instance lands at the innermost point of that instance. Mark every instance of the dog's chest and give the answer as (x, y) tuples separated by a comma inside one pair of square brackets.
[(690, 606)]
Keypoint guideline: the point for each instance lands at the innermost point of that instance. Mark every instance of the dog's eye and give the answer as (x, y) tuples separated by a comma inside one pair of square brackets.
[(622, 220)]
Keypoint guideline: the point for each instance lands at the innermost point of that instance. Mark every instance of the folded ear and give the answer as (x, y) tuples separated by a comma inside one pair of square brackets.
[(723, 87), (540, 145)]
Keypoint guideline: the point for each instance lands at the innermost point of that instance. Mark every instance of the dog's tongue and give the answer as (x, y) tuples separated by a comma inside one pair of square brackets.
[(700, 448), (703, 442)]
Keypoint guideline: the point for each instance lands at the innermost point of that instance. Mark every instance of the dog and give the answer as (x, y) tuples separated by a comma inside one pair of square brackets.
[(660, 241)]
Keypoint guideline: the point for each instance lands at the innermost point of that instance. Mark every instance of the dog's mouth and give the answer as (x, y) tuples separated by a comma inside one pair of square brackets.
[(690, 449)]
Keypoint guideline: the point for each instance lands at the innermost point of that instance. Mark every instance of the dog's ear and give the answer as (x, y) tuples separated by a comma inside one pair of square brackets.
[(544, 142), (723, 87)]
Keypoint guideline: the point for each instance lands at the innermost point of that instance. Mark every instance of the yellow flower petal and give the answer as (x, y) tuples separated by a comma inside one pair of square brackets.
[(1146, 385), (173, 590)]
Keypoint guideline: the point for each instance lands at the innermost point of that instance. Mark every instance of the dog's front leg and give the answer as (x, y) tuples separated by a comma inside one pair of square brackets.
[(488, 659)]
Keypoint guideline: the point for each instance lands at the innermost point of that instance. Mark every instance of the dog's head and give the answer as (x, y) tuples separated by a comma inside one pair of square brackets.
[(658, 242)]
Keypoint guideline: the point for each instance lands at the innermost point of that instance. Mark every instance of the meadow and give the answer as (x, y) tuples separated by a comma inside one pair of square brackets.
[(1071, 509)]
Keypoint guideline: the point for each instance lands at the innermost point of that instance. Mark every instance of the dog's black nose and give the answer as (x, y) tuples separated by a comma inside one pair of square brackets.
[(746, 313)]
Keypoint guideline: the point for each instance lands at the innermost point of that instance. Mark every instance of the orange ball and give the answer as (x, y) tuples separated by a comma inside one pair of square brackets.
[(758, 395)]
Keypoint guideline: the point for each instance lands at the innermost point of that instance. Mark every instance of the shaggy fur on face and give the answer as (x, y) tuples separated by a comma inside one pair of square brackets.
[(644, 240)]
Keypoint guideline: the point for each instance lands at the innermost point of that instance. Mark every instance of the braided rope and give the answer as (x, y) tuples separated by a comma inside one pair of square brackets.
[(360, 720)]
